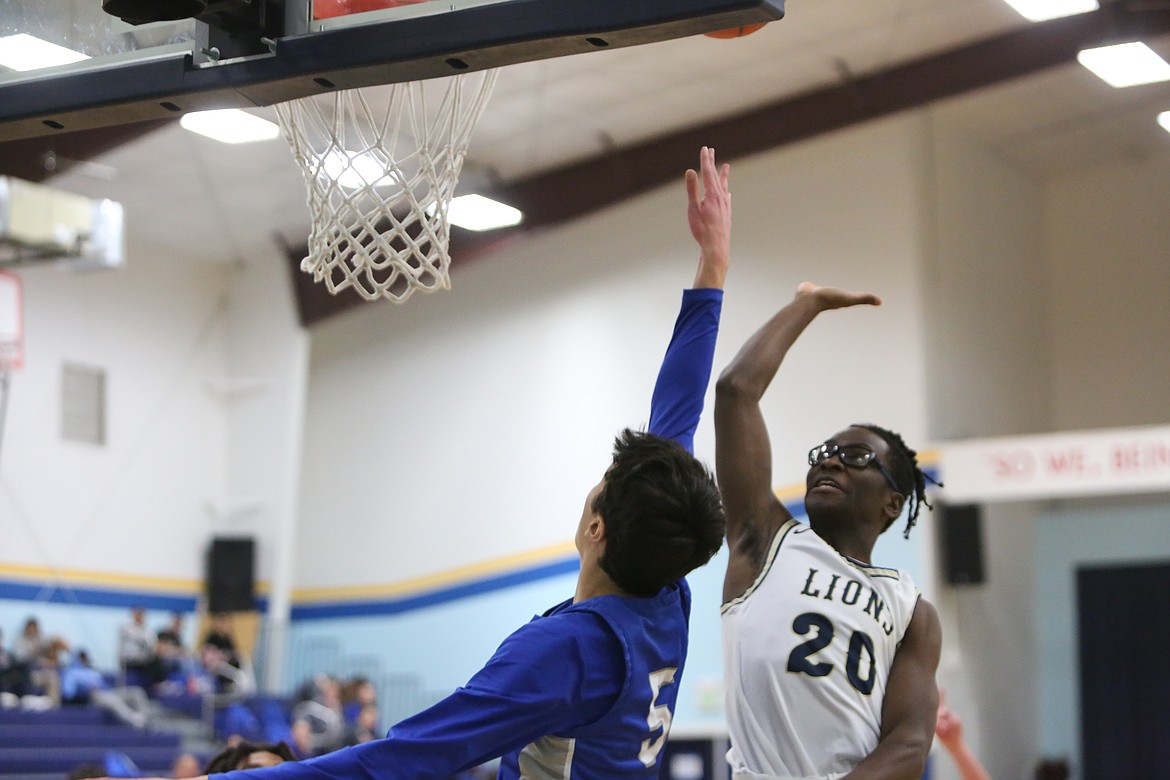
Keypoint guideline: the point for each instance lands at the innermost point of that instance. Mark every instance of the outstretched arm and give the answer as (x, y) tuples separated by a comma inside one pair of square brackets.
[(507, 704), (910, 707), (949, 730), (677, 402), (743, 452), (709, 217)]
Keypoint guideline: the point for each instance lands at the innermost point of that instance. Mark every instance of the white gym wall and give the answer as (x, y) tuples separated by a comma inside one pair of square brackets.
[(465, 428)]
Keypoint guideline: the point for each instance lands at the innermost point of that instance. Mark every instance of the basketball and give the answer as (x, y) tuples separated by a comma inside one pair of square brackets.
[(735, 32)]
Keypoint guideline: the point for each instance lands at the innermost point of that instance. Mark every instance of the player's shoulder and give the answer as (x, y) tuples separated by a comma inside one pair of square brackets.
[(926, 614), (896, 578), (630, 617), (924, 631), (562, 634), (588, 619)]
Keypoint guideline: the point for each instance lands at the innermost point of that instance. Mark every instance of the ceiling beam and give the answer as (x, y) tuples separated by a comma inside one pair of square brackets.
[(554, 197), (574, 190), (40, 158)]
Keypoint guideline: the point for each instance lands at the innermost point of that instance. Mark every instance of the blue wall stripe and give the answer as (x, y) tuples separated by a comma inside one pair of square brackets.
[(93, 597), (432, 598), (96, 597)]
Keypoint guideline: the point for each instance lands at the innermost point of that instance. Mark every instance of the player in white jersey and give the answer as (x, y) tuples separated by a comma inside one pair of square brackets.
[(829, 661)]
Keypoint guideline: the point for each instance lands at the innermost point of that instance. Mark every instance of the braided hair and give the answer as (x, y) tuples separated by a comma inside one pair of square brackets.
[(908, 476)]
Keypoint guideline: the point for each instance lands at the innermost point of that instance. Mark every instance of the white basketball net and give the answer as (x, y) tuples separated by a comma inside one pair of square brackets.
[(381, 166)]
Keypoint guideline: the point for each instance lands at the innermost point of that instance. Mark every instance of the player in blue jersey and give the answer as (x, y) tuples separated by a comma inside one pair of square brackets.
[(588, 689)]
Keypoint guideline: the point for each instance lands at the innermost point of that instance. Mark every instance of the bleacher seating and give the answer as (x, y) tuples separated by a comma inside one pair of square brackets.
[(255, 718), (185, 703), (66, 716), (52, 743)]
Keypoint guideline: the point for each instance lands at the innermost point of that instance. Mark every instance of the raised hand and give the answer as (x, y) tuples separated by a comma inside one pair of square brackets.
[(948, 728), (709, 217)]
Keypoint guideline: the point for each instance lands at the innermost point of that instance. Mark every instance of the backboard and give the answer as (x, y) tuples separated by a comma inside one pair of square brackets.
[(242, 53)]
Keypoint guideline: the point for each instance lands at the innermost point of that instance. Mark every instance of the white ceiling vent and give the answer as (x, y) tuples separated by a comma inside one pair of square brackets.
[(83, 404)]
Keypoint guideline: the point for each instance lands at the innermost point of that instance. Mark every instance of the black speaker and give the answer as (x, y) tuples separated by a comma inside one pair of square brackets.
[(961, 542), (231, 586)]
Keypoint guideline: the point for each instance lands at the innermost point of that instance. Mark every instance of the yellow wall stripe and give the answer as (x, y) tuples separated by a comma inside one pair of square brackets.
[(440, 579), (456, 576)]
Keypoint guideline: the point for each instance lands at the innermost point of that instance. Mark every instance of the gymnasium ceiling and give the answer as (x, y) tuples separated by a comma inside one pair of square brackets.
[(565, 136)]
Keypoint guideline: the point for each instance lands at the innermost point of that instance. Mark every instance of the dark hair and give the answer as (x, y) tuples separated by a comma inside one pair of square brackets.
[(662, 511), (230, 757), (910, 479), (83, 771)]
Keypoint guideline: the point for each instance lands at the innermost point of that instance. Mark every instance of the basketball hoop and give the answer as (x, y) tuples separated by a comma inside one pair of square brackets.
[(381, 165)]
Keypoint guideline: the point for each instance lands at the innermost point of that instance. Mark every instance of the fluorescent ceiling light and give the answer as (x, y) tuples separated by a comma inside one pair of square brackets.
[(1043, 10), (1126, 64), (1164, 120), (475, 212), (230, 125), (352, 170), (24, 52)]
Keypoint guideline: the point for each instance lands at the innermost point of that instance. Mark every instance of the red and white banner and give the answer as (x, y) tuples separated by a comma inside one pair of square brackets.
[(1084, 463)]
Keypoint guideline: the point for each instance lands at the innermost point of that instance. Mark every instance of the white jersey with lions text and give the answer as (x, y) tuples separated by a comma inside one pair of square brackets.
[(807, 652)]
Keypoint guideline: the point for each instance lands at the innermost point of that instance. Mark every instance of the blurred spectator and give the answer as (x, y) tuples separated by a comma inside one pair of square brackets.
[(79, 679), (221, 656), (11, 676), (355, 695), (170, 653), (365, 728), (35, 658), (302, 739), (249, 755), (221, 637), (48, 676), (329, 694), (320, 706), (29, 646), (136, 651), (172, 633), (214, 674), (186, 765), (82, 684)]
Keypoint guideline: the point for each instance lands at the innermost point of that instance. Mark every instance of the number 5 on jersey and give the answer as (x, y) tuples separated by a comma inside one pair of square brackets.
[(658, 718)]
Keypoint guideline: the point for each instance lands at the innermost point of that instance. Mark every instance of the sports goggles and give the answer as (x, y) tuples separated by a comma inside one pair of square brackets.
[(856, 456)]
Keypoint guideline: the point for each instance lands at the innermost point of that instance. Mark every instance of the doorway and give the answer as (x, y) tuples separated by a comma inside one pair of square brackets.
[(1123, 615)]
